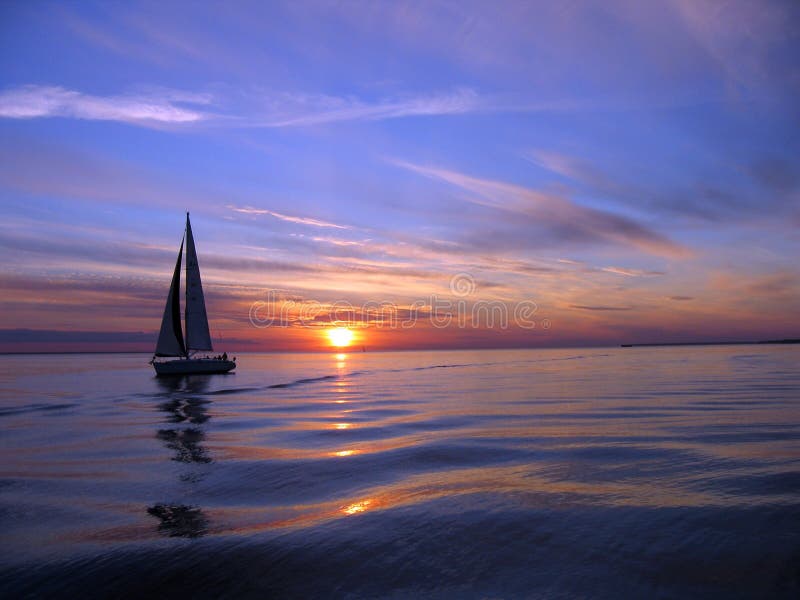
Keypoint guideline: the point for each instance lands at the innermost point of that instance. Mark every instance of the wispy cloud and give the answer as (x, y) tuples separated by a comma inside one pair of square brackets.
[(293, 110), (248, 210), (337, 242), (260, 108), (775, 284), (572, 221), (570, 167), (166, 106), (631, 272), (19, 336), (696, 195), (600, 308)]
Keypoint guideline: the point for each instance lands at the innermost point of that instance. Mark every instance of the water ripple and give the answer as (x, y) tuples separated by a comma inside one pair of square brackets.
[(668, 472)]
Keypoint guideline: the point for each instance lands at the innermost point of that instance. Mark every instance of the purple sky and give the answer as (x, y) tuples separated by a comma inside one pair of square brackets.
[(631, 168)]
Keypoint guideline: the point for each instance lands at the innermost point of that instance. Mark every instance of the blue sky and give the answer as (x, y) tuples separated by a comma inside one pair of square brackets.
[(632, 168)]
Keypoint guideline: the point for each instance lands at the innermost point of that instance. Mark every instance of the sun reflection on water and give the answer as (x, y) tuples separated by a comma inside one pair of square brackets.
[(357, 507), (344, 453)]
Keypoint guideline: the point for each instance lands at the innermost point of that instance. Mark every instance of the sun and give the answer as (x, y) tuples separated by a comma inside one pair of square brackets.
[(340, 336)]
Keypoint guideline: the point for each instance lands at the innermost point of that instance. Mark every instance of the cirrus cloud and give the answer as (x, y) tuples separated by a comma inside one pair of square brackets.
[(269, 109), (554, 212), (36, 101)]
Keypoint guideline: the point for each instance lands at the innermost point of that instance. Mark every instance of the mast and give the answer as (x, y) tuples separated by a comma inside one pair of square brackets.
[(170, 338), (197, 334)]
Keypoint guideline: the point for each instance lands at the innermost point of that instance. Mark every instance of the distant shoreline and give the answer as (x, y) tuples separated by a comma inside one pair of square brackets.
[(785, 341)]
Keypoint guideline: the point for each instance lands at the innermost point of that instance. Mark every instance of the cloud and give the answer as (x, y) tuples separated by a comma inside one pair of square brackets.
[(248, 210), (775, 284), (567, 220), (632, 272), (337, 242), (153, 262), (261, 109), (254, 107), (258, 108), (600, 308), (697, 196), (35, 101), (763, 294), (52, 336), (101, 253), (570, 167), (681, 298), (297, 110)]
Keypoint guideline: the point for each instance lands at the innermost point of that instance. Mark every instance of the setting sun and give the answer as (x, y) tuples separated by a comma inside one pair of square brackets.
[(340, 336)]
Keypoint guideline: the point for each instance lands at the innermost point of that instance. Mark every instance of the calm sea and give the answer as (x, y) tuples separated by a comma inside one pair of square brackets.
[(635, 472)]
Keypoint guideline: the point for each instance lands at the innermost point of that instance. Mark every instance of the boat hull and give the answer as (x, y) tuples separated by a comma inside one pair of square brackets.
[(194, 366)]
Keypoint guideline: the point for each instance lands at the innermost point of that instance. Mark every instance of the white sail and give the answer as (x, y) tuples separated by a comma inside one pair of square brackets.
[(170, 339), (197, 335)]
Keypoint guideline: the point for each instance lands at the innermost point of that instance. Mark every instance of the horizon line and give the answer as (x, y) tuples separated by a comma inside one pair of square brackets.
[(785, 341)]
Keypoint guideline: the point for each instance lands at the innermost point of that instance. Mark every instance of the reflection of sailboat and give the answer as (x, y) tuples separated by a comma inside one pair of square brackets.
[(179, 520), (186, 444), (184, 398), (171, 340), (185, 404), (194, 386)]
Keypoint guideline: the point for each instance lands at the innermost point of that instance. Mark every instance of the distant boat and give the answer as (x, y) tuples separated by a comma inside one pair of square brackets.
[(171, 341)]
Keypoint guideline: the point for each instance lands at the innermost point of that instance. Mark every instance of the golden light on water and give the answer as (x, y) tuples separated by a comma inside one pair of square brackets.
[(342, 425), (339, 336), (344, 453), (356, 507)]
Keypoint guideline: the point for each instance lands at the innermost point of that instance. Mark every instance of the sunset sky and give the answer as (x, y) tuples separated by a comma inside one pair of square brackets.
[(632, 169)]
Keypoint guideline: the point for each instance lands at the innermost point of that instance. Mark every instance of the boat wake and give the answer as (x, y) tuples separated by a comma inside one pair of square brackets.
[(304, 381)]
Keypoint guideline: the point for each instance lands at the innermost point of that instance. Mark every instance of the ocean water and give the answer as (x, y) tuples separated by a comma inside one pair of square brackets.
[(621, 472)]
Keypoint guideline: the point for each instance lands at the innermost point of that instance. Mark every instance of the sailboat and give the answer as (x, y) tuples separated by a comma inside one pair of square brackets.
[(171, 341)]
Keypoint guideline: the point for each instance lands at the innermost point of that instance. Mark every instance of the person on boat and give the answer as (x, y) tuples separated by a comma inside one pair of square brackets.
[(224, 356)]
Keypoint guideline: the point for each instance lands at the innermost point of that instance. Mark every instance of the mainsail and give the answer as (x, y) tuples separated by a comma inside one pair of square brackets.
[(170, 339), (197, 335)]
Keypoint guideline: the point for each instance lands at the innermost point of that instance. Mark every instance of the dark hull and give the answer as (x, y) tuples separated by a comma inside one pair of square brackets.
[(191, 366)]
